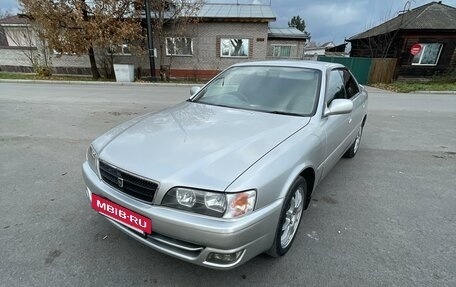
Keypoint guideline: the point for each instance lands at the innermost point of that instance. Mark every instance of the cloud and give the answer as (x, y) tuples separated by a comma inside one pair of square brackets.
[(335, 20)]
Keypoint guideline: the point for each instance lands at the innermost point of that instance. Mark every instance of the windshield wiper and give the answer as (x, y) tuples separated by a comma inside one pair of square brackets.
[(284, 113)]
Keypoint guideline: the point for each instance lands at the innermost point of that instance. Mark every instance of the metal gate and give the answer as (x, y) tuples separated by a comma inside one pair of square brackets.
[(360, 67)]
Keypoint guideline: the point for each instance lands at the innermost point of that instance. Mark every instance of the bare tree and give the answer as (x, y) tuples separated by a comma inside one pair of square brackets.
[(5, 13), (172, 18), (34, 48)]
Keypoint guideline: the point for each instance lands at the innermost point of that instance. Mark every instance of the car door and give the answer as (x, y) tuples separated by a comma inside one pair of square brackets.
[(358, 98), (337, 127)]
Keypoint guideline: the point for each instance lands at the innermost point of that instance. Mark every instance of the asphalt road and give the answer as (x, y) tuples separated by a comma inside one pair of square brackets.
[(385, 218)]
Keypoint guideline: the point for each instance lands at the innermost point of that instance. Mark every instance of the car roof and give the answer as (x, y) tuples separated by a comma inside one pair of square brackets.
[(323, 66)]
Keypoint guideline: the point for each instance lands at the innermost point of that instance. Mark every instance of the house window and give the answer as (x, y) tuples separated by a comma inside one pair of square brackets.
[(429, 54), (20, 36), (282, 51), (179, 46), (123, 49), (234, 48)]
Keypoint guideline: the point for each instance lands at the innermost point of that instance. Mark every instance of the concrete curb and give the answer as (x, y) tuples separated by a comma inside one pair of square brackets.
[(96, 83), (436, 92)]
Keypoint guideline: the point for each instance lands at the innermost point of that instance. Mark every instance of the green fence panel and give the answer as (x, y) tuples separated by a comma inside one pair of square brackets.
[(360, 67)]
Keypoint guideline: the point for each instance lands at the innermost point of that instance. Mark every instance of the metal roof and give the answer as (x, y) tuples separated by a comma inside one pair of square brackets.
[(245, 11), (432, 16), (288, 32)]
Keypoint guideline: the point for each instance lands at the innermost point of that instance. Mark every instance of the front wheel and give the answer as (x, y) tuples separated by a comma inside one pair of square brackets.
[(351, 152), (290, 218)]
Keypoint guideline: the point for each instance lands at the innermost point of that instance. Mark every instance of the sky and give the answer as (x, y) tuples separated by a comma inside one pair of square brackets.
[(326, 20)]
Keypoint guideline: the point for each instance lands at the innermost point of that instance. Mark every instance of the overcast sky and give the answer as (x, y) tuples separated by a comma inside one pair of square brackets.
[(326, 20)]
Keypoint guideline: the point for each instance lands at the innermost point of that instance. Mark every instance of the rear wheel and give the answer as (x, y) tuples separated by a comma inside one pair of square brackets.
[(351, 152), (290, 218)]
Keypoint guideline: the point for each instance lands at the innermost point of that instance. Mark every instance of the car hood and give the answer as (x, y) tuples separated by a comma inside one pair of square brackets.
[(198, 145)]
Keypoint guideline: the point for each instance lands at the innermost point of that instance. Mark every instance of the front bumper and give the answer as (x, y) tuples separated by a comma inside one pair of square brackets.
[(192, 237)]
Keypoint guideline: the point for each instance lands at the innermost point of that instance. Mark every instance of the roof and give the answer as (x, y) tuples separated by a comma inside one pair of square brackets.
[(217, 11), (245, 11), (288, 33), (432, 16), (14, 20), (328, 44)]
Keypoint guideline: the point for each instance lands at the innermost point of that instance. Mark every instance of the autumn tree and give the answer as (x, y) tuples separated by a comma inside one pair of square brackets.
[(79, 27), (172, 18), (298, 23)]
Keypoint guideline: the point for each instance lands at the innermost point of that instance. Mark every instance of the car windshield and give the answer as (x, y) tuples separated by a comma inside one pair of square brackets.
[(281, 90)]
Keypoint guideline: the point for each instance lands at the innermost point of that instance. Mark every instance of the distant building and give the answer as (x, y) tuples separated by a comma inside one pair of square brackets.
[(325, 49)]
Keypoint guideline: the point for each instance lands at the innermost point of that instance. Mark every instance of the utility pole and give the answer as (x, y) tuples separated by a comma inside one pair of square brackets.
[(150, 41)]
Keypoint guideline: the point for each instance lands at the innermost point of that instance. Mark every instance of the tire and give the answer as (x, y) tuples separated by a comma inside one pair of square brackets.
[(351, 152), (290, 218)]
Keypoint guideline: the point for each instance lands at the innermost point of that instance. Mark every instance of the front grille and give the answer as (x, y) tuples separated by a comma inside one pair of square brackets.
[(128, 183)]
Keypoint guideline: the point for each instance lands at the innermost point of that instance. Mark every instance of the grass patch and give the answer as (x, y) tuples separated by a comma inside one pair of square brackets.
[(20, 76), (446, 82), (407, 87)]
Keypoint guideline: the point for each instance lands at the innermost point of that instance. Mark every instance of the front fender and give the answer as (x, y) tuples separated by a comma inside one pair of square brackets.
[(274, 173)]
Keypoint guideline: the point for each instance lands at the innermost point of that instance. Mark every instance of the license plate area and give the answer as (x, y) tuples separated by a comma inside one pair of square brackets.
[(123, 215)]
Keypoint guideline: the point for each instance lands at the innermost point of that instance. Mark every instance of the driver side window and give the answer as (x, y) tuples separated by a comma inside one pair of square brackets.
[(335, 87)]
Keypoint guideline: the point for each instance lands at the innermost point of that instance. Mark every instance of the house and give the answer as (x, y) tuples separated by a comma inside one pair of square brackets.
[(227, 34), (286, 43), (423, 40), (224, 34), (21, 50)]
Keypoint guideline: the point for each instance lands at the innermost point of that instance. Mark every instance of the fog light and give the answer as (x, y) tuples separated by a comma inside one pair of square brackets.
[(224, 258)]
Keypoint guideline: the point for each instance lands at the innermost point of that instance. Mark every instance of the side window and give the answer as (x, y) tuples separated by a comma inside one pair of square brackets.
[(335, 88), (350, 84)]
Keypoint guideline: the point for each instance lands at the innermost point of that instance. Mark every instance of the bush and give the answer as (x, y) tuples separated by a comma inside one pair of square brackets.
[(43, 71)]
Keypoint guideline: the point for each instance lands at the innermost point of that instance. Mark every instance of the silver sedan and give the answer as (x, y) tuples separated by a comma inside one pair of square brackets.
[(227, 175)]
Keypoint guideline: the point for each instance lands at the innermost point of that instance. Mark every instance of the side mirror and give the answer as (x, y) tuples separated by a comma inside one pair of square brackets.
[(194, 90), (339, 107)]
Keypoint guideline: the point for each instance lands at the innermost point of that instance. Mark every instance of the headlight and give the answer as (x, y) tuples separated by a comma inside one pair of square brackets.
[(217, 204), (92, 158)]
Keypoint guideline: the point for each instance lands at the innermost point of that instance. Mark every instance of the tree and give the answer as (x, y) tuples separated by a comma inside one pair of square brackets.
[(79, 27), (297, 22), (172, 18)]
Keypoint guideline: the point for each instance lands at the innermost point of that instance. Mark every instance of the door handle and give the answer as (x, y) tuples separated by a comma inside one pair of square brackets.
[(350, 120)]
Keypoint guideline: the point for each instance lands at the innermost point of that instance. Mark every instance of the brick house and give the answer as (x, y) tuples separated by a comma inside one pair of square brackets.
[(19, 45), (225, 34)]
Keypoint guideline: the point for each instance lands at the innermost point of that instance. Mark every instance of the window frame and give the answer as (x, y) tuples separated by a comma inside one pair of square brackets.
[(111, 50), (328, 77), (273, 46), (230, 56), (347, 72), (174, 43), (424, 46)]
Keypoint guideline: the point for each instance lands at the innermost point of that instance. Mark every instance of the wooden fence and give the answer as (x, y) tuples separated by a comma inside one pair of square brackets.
[(382, 70)]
